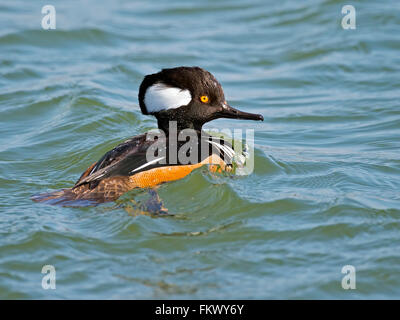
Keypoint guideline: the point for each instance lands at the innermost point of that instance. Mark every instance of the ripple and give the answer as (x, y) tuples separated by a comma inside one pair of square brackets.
[(59, 38)]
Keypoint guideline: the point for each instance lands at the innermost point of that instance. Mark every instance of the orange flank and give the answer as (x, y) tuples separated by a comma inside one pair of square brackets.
[(156, 176), (112, 188)]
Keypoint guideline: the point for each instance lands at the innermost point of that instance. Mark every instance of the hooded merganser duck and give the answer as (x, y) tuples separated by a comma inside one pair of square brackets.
[(188, 97)]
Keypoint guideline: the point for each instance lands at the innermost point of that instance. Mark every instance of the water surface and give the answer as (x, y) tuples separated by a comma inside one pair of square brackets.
[(326, 187)]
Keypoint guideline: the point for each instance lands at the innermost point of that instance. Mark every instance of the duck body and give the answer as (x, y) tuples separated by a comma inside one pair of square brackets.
[(185, 96), (126, 167)]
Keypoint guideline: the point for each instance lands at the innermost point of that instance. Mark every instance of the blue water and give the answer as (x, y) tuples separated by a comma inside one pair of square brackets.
[(325, 190)]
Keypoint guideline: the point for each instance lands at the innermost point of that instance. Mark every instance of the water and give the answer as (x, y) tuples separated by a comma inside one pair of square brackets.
[(325, 191)]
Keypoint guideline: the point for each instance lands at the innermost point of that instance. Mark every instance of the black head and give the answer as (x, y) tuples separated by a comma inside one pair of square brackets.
[(189, 95)]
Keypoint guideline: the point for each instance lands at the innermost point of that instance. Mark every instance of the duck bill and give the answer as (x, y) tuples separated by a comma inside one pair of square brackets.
[(232, 113)]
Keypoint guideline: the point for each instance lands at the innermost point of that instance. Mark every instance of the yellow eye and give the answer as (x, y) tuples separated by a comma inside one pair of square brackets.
[(204, 99)]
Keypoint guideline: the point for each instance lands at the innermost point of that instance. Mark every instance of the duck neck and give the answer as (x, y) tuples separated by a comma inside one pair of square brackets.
[(170, 127)]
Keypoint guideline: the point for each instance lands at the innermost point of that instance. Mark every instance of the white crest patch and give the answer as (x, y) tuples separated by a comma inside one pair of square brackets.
[(161, 97)]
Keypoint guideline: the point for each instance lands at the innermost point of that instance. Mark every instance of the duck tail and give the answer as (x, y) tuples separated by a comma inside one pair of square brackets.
[(63, 197)]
